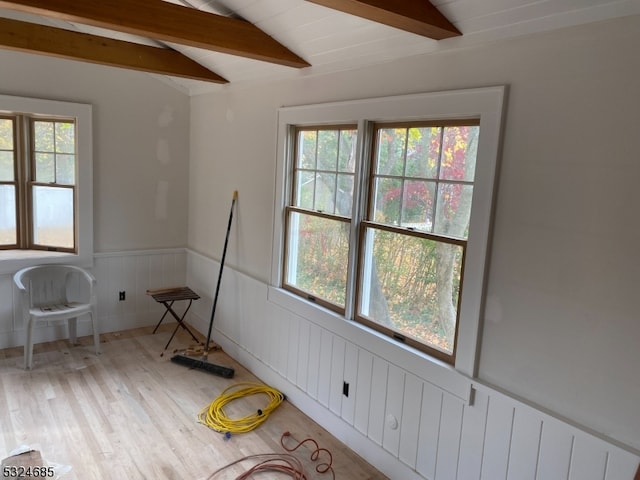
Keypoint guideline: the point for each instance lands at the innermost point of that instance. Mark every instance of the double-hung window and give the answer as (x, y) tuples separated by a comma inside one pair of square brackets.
[(414, 232), (38, 183), (46, 199), (386, 214), (319, 214)]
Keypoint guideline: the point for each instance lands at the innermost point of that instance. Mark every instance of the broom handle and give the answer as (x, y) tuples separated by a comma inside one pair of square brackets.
[(224, 254)]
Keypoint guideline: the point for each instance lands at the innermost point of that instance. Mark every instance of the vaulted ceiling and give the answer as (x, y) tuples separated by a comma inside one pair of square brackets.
[(199, 45)]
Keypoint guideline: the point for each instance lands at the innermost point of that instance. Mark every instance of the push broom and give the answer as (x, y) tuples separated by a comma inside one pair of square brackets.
[(202, 363)]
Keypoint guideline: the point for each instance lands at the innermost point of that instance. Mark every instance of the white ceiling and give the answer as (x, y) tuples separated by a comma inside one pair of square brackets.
[(331, 41)]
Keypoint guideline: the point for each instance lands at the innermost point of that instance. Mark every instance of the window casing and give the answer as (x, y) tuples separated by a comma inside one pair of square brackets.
[(46, 184), (417, 222)]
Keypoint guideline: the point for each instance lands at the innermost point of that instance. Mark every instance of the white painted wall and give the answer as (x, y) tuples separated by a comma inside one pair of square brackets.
[(140, 172), (561, 323), (140, 140)]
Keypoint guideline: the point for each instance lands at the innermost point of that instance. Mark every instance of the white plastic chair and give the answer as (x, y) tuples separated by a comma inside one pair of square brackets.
[(56, 292)]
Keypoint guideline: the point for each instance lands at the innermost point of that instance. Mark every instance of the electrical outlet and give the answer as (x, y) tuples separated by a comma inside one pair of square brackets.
[(122, 296)]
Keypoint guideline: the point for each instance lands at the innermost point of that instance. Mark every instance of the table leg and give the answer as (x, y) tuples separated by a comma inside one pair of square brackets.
[(165, 314), (180, 323)]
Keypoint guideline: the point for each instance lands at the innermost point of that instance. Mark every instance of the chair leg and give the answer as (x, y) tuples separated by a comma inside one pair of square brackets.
[(73, 330), (96, 332), (28, 344)]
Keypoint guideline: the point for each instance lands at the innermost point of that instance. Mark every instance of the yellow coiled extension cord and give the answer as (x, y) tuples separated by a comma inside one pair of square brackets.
[(214, 416)]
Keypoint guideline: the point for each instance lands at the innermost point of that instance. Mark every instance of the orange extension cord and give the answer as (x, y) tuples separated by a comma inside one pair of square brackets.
[(287, 463)]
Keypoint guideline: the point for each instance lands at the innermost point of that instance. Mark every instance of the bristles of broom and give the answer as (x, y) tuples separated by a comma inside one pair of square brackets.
[(205, 366), (186, 359)]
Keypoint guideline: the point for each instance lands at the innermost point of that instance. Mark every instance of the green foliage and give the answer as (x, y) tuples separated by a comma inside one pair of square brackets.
[(322, 253), (408, 270)]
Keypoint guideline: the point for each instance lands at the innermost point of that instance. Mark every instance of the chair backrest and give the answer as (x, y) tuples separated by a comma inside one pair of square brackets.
[(55, 284)]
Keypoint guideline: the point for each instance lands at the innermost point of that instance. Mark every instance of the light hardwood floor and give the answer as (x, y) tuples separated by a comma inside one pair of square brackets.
[(132, 414)]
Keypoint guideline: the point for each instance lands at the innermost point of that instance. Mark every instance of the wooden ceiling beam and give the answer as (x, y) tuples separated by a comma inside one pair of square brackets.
[(416, 16), (169, 23), (41, 39)]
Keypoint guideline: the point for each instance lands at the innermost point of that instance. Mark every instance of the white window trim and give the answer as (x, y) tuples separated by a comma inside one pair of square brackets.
[(483, 103), (14, 260)]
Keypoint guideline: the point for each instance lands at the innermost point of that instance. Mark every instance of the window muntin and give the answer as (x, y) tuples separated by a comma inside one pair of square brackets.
[(324, 169), (318, 217), (423, 176), (54, 151)]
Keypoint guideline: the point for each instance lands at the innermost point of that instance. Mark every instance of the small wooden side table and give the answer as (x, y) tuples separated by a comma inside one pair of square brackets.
[(167, 297)]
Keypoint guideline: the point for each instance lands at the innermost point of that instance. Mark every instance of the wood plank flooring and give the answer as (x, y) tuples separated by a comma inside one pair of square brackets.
[(132, 414)]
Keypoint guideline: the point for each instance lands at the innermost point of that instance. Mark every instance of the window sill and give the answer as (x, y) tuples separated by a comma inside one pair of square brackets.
[(409, 359), (13, 260)]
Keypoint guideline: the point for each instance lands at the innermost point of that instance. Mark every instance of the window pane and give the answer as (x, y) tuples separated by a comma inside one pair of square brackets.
[(325, 193), (423, 152), (460, 145), (328, 150), (53, 216), (344, 197), (417, 204), (8, 230), (347, 156), (7, 170), (307, 141), (318, 256), (453, 209), (326, 185), (388, 195), (391, 151), (65, 137), (43, 136), (411, 285), (6, 134), (45, 168), (306, 184), (66, 169)]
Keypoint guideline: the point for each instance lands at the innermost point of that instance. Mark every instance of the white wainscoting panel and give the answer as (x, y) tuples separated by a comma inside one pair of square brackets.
[(134, 273), (527, 428), (362, 394), (129, 272), (407, 418), (409, 427)]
